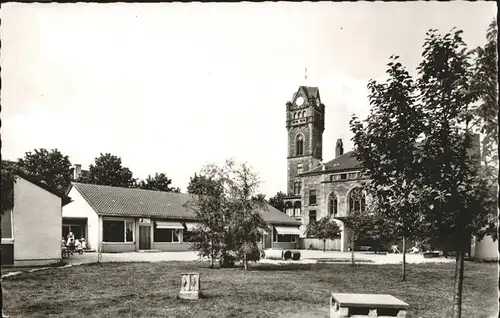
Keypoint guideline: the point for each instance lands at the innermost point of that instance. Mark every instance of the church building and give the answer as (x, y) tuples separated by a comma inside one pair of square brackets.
[(317, 189)]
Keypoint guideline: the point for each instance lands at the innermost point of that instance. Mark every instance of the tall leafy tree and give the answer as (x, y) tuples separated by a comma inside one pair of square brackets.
[(51, 167), (229, 211), (324, 229), (458, 197), (108, 170), (386, 144), (200, 184), (159, 182), (358, 225), (485, 85), (278, 201)]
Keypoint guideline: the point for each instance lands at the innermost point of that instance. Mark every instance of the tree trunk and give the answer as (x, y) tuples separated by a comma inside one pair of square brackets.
[(324, 246), (459, 280), (404, 258), (352, 250), (212, 253), (245, 263)]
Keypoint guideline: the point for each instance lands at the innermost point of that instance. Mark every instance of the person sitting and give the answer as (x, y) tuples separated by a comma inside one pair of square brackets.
[(395, 249), (84, 243), (78, 246)]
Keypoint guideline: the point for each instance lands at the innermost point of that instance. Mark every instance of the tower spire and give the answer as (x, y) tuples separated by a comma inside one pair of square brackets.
[(305, 74)]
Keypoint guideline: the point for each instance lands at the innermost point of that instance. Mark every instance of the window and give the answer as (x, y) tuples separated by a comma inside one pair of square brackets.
[(312, 197), (188, 233), (289, 209), (7, 225), (312, 216), (356, 201), (297, 208), (353, 175), (283, 238), (129, 230), (297, 187), (299, 168), (332, 204), (299, 145), (343, 176), (334, 177), (117, 231), (167, 235)]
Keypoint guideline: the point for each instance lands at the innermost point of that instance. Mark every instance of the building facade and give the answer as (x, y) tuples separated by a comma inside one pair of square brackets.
[(114, 219), (318, 189), (31, 229)]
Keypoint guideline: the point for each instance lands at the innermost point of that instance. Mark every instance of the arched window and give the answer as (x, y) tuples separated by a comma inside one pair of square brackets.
[(289, 208), (297, 208), (356, 201), (297, 187), (332, 204), (299, 147)]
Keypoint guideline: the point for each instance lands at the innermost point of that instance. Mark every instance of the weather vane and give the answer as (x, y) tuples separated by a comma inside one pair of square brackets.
[(305, 73)]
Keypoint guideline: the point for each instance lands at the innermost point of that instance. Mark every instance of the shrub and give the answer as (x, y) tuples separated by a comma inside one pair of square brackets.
[(227, 261)]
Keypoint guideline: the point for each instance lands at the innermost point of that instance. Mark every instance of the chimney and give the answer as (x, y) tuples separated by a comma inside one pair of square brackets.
[(339, 148), (78, 171)]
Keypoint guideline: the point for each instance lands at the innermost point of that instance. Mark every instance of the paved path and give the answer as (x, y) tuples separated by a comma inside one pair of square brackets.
[(307, 256)]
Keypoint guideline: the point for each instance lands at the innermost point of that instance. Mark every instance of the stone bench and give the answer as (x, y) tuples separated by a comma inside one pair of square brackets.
[(366, 305)]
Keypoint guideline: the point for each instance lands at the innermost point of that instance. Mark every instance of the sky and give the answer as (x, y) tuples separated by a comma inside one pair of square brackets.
[(170, 87)]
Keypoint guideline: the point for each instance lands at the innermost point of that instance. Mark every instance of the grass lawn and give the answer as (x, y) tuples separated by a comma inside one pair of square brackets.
[(150, 290)]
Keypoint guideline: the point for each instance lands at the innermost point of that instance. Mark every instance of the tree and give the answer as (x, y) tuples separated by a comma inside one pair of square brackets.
[(386, 144), (457, 197), (200, 184), (485, 85), (7, 186), (51, 167), (108, 170), (358, 225), (324, 229), (278, 201), (160, 182), (246, 224), (231, 222)]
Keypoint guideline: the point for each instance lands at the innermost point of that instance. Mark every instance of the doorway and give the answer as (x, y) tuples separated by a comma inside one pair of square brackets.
[(144, 237), (267, 240)]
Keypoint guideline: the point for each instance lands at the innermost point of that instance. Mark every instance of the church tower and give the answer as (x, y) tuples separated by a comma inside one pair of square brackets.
[(305, 123)]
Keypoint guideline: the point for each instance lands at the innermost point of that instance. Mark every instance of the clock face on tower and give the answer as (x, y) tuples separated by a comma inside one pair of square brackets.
[(299, 101)]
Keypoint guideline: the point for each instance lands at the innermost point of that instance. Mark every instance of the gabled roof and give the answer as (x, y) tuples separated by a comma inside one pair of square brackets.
[(131, 202), (65, 199), (345, 162), (309, 92)]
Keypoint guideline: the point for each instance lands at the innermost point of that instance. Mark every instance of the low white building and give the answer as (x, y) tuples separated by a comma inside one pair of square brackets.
[(115, 219), (31, 231)]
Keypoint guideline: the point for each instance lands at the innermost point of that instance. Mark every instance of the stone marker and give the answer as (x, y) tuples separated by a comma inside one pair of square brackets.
[(366, 305), (190, 286)]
